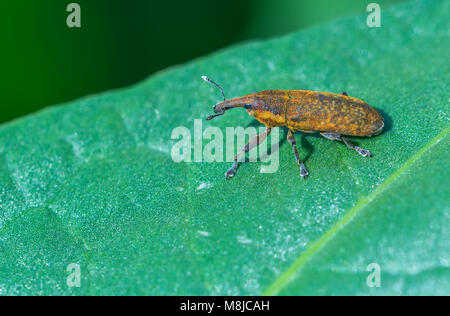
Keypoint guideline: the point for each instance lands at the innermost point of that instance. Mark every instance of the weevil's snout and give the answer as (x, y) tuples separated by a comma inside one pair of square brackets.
[(225, 105), (219, 109)]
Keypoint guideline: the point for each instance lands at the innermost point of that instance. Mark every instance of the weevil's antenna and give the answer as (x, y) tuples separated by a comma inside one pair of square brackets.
[(212, 82)]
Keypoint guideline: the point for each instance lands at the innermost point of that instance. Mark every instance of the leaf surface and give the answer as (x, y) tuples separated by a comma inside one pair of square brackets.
[(92, 182)]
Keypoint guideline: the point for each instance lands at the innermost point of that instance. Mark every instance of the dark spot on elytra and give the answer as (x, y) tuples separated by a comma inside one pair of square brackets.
[(321, 98)]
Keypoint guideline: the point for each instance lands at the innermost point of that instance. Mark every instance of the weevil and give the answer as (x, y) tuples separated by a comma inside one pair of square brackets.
[(330, 114)]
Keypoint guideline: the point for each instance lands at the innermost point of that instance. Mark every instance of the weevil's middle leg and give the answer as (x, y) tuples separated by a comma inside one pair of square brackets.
[(255, 141), (290, 137), (359, 150)]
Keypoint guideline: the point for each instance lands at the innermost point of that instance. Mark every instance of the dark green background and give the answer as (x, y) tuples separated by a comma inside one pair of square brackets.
[(44, 62)]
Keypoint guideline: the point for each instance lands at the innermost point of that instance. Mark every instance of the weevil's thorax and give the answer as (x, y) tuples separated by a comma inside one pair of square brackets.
[(269, 107)]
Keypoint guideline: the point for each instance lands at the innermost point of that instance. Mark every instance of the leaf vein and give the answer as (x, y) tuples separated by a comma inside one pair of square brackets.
[(299, 263)]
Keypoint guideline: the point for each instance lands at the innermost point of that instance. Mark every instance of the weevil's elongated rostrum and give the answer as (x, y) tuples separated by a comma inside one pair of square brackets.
[(330, 114)]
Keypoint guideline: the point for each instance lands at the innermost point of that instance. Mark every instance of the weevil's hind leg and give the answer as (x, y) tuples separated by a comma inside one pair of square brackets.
[(303, 172), (255, 141), (359, 150)]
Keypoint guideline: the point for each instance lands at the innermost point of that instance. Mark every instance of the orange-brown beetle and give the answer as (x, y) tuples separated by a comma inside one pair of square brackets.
[(330, 114)]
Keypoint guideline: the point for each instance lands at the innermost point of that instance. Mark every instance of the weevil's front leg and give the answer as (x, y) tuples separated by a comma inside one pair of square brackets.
[(290, 137), (255, 141), (359, 150)]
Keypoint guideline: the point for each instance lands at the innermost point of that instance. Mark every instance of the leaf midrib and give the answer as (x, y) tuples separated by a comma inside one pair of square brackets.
[(317, 245)]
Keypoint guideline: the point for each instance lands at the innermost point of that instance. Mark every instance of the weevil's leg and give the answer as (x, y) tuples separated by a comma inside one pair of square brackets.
[(359, 150), (344, 93), (255, 141), (331, 136), (290, 137)]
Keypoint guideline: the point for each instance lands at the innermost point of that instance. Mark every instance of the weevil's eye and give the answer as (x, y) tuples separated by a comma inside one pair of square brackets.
[(247, 106)]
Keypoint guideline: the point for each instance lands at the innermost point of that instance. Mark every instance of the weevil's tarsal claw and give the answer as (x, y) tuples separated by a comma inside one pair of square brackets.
[(362, 152), (303, 172), (213, 116), (232, 171), (349, 144), (229, 174)]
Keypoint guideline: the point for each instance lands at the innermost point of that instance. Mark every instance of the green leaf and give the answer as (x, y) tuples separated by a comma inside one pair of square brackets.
[(93, 182)]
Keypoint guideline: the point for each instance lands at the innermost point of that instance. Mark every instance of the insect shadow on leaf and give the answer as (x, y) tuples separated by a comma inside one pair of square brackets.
[(388, 122)]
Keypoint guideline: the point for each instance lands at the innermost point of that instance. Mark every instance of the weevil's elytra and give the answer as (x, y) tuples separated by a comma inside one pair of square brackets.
[(330, 114)]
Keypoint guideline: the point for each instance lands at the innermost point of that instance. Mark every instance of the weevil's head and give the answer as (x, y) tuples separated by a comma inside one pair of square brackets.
[(225, 105), (220, 107)]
